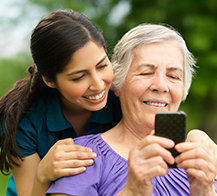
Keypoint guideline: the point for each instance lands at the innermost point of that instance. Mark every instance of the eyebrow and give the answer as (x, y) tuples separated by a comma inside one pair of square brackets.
[(83, 70), (175, 69), (153, 66), (147, 65)]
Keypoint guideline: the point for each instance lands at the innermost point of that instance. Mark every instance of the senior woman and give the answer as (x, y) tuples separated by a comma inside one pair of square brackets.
[(152, 72)]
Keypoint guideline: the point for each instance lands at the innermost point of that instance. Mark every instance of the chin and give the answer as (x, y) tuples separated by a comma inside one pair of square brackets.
[(98, 107)]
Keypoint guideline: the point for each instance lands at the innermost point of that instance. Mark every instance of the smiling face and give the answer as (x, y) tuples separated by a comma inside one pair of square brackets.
[(85, 81), (154, 83)]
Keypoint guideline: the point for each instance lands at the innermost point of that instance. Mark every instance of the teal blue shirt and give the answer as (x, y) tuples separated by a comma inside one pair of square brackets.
[(44, 124)]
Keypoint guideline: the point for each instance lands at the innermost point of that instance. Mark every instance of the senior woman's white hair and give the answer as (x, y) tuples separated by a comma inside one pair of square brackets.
[(142, 35)]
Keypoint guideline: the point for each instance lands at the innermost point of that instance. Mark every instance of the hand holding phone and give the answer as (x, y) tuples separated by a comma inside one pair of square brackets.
[(171, 125)]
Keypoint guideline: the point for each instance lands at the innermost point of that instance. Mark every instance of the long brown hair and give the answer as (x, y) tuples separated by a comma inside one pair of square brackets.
[(53, 42)]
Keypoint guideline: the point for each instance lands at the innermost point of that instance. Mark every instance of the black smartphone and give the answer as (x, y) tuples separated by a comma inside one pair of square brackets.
[(171, 125)]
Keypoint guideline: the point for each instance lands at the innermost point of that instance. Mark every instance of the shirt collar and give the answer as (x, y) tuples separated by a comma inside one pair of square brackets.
[(56, 120)]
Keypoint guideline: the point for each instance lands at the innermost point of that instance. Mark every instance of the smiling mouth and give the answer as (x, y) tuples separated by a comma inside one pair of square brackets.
[(96, 97), (156, 104)]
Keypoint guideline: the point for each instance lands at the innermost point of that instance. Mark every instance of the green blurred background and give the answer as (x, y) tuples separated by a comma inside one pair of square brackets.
[(196, 20)]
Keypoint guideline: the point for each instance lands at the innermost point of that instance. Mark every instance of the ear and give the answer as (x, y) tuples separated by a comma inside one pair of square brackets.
[(116, 93), (48, 82)]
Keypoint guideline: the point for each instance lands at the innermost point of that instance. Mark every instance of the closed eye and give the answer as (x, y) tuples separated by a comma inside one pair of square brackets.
[(78, 78), (146, 74), (174, 77), (102, 66), (175, 73)]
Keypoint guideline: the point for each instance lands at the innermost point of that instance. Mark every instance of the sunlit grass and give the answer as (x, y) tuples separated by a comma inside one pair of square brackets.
[(3, 184)]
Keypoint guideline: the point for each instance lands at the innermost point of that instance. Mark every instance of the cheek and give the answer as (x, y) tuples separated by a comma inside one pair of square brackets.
[(108, 76), (177, 94), (73, 90), (138, 87)]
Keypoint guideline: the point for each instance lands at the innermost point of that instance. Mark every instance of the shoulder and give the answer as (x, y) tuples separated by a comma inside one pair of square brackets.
[(41, 107), (99, 178), (101, 148), (38, 108), (91, 141), (98, 145)]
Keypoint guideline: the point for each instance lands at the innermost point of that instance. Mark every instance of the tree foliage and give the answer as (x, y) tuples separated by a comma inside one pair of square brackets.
[(195, 20), (11, 70)]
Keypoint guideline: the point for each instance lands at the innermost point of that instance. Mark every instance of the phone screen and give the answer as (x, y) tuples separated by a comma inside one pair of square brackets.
[(171, 125)]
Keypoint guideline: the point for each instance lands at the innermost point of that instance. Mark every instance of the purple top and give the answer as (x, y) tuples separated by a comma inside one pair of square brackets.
[(108, 175)]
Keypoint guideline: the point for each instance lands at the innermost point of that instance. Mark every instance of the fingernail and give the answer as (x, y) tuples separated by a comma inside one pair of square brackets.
[(94, 155), (177, 159), (90, 162)]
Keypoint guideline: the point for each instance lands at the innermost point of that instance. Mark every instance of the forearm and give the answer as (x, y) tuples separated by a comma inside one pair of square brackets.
[(40, 187), (41, 181)]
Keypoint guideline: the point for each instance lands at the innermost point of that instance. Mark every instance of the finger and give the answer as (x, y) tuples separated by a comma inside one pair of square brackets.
[(69, 144), (185, 146), (149, 168), (192, 163), (69, 171), (200, 165), (195, 152), (154, 150), (78, 155), (74, 155), (200, 175), (192, 153), (158, 164), (164, 142), (72, 164), (69, 148)]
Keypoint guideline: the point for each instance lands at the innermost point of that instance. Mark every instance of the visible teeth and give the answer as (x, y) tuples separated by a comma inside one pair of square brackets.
[(157, 104), (96, 97)]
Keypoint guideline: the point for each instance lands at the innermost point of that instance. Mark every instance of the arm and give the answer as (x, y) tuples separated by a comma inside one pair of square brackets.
[(199, 163), (24, 175), (63, 159)]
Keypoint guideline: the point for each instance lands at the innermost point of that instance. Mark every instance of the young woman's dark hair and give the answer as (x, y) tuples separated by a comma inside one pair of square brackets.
[(53, 42)]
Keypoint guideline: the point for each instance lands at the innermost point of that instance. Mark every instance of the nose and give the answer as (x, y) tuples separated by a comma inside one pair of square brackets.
[(159, 83), (96, 82)]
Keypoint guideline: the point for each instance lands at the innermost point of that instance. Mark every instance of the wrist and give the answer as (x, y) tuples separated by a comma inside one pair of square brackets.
[(207, 191), (41, 177)]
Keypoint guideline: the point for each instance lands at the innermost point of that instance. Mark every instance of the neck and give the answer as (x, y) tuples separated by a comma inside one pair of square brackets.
[(122, 138), (77, 118)]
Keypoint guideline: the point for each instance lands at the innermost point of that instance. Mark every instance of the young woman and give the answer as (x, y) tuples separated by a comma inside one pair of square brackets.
[(67, 95)]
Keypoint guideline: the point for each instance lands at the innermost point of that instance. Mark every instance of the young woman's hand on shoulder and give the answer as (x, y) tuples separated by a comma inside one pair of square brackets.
[(63, 159)]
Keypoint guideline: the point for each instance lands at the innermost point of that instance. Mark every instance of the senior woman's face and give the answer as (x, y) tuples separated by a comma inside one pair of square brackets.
[(154, 83)]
